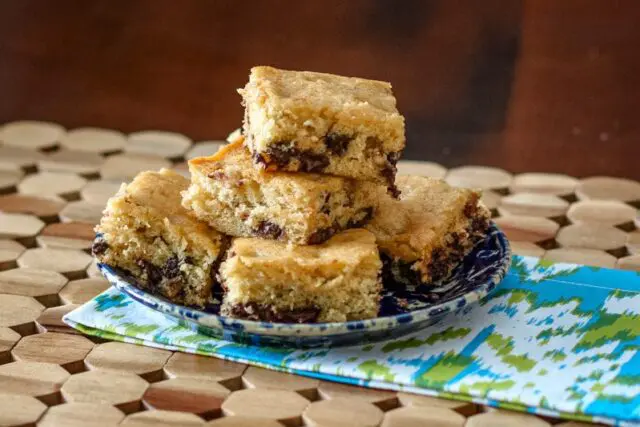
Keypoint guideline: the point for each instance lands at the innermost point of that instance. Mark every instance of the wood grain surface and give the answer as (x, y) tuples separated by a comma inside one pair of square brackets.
[(526, 85)]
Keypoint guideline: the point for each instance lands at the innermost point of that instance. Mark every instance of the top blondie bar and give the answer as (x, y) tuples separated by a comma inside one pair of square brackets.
[(315, 122)]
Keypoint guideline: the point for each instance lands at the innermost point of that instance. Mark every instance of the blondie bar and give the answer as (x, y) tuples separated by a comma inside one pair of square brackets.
[(336, 281), (426, 233), (315, 122), (147, 232), (233, 196)]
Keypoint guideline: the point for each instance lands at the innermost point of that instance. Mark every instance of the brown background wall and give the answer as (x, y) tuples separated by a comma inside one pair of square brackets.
[(526, 85)]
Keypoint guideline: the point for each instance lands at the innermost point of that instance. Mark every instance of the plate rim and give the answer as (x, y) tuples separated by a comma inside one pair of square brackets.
[(212, 320)]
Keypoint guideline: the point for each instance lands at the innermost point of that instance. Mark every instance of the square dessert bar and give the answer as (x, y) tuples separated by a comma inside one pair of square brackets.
[(426, 233), (336, 281), (146, 231), (233, 196), (315, 122)]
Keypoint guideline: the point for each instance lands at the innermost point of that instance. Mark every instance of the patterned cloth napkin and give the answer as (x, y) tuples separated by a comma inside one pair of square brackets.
[(553, 339)]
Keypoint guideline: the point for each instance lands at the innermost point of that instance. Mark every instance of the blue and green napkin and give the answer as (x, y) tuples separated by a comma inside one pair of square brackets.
[(553, 339)]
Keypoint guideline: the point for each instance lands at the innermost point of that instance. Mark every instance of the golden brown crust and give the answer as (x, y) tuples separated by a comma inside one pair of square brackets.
[(154, 197), (233, 196), (234, 158), (332, 258), (430, 227), (219, 156), (339, 278), (317, 122), (147, 232), (316, 91)]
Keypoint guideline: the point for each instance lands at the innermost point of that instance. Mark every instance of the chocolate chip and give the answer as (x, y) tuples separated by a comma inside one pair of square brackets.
[(219, 175), (269, 230), (259, 159), (471, 208), (99, 246), (254, 311), (321, 235), (216, 284), (388, 279), (313, 162), (439, 266), (389, 173), (217, 279), (171, 268), (394, 191), (478, 226), (372, 143), (368, 214), (443, 259), (213, 272), (400, 272), (152, 273), (393, 157), (337, 143), (302, 315), (326, 207), (456, 245), (280, 154)]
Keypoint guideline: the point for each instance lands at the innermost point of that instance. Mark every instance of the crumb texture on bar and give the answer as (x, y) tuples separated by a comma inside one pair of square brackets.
[(429, 230), (317, 122), (147, 232), (230, 194), (332, 282)]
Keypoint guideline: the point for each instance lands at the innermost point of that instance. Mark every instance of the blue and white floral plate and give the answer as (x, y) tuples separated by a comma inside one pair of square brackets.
[(402, 310)]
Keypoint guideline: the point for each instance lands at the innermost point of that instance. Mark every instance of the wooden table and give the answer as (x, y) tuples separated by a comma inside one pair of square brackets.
[(53, 185)]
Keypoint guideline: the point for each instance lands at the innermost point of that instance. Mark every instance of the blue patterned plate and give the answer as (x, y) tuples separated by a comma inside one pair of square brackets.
[(402, 310)]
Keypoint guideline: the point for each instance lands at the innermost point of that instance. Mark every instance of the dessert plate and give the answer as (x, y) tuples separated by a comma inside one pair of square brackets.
[(402, 310)]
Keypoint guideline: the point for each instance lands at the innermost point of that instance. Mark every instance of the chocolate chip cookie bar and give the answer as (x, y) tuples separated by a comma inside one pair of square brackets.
[(233, 196), (146, 232), (429, 230), (336, 281), (315, 122)]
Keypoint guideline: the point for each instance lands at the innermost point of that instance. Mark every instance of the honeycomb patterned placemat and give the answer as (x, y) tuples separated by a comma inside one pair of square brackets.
[(53, 185), (555, 339)]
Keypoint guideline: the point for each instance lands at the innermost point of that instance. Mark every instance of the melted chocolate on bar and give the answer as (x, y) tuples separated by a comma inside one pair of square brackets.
[(254, 311)]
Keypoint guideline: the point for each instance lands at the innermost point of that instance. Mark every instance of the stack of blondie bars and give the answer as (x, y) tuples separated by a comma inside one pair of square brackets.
[(295, 216)]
